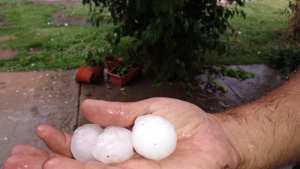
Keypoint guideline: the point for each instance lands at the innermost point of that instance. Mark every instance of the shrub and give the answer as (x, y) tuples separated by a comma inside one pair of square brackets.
[(286, 60), (294, 21), (171, 36)]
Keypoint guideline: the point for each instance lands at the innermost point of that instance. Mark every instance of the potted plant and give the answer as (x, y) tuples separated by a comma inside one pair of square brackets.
[(112, 62), (123, 73), (93, 70)]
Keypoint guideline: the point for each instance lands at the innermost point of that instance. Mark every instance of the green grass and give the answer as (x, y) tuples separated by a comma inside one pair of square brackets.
[(58, 47), (259, 34)]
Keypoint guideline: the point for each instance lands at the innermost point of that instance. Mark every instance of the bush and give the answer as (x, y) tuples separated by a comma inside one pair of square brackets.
[(286, 60), (294, 21), (171, 37)]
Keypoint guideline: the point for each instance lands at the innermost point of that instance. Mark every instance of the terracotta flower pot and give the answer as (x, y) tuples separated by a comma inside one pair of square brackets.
[(120, 81), (112, 64), (89, 74)]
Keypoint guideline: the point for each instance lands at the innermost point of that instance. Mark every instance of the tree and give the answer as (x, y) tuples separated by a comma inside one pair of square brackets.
[(171, 37), (294, 22)]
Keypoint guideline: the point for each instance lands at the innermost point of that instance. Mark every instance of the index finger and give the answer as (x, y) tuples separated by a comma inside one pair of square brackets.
[(120, 114)]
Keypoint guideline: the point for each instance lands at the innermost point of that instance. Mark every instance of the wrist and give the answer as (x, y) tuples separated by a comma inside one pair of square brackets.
[(238, 138)]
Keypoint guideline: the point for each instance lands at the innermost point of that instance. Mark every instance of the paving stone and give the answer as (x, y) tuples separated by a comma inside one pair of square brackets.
[(33, 98)]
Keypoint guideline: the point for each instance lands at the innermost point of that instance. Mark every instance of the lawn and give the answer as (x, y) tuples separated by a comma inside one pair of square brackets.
[(55, 47), (262, 31), (64, 47)]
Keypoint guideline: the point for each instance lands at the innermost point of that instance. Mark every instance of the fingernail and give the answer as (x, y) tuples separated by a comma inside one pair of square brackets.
[(51, 163), (42, 129)]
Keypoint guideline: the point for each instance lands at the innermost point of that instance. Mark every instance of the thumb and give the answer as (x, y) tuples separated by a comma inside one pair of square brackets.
[(120, 114), (58, 141)]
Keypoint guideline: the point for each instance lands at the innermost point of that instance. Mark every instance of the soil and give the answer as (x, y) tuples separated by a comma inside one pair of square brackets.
[(4, 38), (6, 54), (35, 50), (61, 19), (2, 20), (64, 2), (3, 4)]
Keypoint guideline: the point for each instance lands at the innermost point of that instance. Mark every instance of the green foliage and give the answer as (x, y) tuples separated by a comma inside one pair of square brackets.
[(286, 60), (294, 22), (122, 69), (45, 46), (171, 36), (238, 74), (93, 57)]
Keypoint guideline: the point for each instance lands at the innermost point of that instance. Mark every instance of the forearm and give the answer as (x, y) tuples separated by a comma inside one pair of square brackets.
[(267, 132)]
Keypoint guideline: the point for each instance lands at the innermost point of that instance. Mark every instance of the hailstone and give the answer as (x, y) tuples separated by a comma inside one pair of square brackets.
[(154, 137), (114, 145), (84, 140)]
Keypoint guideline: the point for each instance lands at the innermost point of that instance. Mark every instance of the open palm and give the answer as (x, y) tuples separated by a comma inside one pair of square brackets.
[(202, 143)]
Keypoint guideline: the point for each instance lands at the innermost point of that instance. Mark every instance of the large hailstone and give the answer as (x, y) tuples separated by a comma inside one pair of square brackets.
[(154, 137), (114, 145), (84, 141)]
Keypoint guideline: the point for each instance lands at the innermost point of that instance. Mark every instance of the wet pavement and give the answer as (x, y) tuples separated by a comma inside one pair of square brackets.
[(33, 98), (238, 91)]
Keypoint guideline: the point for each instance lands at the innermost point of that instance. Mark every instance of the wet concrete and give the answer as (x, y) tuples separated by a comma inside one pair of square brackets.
[(242, 91), (33, 98)]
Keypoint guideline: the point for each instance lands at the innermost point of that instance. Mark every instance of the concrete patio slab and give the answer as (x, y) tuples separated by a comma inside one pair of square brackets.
[(29, 99)]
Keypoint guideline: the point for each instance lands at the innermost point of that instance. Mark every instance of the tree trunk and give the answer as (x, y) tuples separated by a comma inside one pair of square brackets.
[(294, 22)]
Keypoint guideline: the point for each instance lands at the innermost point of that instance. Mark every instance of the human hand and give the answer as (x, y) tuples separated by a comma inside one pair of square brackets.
[(202, 143)]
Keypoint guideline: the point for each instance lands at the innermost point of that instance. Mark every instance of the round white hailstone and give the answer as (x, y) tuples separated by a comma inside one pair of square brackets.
[(84, 140), (114, 145), (154, 137)]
